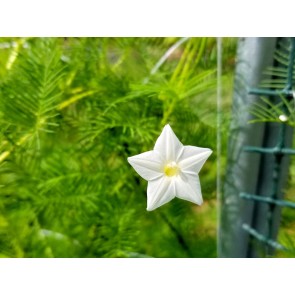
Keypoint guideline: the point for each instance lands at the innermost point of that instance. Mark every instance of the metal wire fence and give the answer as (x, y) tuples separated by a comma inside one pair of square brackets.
[(278, 152)]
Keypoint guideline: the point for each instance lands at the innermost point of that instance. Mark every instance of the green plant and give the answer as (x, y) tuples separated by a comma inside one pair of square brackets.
[(71, 111)]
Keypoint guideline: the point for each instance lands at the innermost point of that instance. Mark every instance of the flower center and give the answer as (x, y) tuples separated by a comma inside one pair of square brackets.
[(171, 169)]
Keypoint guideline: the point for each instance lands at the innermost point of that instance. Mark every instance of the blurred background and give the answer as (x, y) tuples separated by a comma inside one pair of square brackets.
[(257, 203), (73, 109)]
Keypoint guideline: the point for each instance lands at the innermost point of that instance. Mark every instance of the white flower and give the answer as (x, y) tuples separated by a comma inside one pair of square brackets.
[(283, 118), (171, 170)]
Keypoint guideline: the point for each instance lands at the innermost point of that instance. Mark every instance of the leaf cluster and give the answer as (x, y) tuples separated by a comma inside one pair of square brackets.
[(277, 78), (71, 111)]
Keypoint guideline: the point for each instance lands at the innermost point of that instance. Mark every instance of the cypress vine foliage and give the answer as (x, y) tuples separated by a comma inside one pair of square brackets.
[(72, 110), (280, 109)]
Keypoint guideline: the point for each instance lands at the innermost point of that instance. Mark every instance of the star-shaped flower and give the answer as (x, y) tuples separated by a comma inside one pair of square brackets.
[(171, 170)]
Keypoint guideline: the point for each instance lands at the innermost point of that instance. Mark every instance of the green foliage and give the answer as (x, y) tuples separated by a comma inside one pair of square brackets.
[(277, 109), (71, 111)]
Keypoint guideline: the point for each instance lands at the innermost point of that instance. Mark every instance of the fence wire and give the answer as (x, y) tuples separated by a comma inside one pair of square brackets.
[(279, 151)]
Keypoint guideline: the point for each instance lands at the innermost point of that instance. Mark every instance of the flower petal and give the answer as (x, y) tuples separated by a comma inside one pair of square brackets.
[(148, 165), (187, 187), (159, 192), (193, 158), (168, 144)]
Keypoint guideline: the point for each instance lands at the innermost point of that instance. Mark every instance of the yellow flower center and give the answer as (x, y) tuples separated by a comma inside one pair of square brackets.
[(171, 169)]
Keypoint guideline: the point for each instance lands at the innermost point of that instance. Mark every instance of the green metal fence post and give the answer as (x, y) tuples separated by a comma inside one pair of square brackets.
[(274, 171), (272, 178), (254, 55)]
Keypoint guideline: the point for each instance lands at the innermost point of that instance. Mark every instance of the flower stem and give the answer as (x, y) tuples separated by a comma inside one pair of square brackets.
[(178, 235)]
